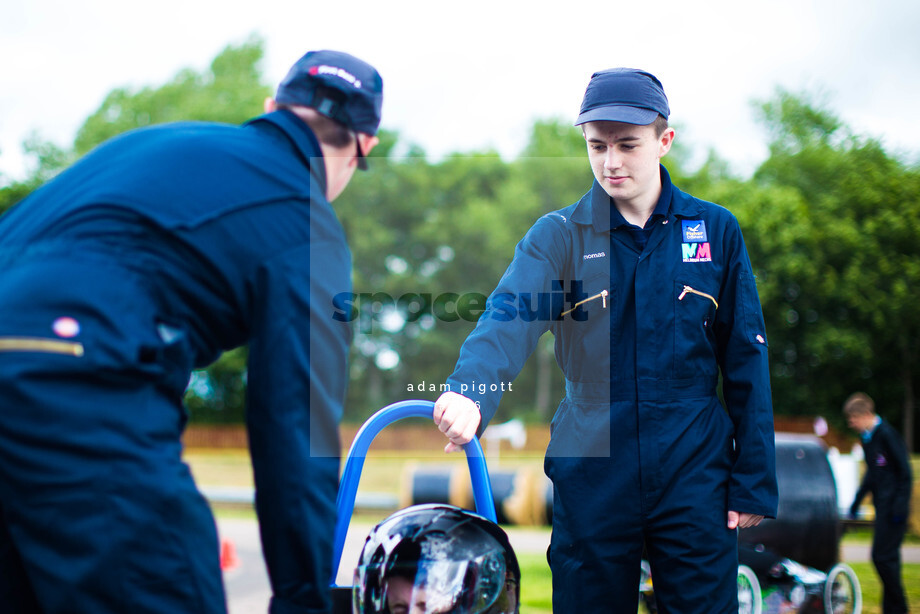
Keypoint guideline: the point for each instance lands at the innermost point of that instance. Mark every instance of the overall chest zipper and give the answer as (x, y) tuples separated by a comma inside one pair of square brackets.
[(36, 344), (600, 295), (688, 290)]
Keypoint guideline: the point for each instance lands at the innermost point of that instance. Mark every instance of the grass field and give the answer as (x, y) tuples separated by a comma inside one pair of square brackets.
[(536, 585), (385, 472)]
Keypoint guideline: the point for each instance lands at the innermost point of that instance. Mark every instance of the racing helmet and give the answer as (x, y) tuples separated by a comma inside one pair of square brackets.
[(436, 559)]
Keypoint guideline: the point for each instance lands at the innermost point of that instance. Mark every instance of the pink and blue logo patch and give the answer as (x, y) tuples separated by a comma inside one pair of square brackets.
[(695, 246), (696, 252)]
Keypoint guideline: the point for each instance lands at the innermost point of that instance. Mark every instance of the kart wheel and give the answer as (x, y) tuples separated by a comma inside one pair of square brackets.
[(750, 600), (842, 594)]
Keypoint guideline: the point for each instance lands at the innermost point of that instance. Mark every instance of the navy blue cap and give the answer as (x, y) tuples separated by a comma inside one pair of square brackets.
[(338, 85), (623, 95)]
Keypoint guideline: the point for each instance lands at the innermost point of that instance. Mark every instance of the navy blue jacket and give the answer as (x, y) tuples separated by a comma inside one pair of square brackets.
[(636, 333), (216, 236), (888, 475)]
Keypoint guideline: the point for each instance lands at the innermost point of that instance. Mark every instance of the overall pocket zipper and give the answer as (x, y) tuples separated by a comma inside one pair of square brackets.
[(600, 295), (37, 344), (688, 290)]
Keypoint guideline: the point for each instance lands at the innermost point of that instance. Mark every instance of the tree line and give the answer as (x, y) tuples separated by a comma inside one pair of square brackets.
[(831, 220)]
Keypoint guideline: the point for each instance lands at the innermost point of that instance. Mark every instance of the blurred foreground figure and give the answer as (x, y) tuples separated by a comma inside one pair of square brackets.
[(157, 251)]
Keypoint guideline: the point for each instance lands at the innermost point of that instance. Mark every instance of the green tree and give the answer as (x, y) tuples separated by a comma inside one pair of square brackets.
[(832, 224), (44, 160), (836, 224), (404, 219), (231, 90), (449, 229), (12, 193)]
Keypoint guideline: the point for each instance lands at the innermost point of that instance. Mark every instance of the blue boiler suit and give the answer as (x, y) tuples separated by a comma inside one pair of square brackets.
[(154, 253), (642, 453)]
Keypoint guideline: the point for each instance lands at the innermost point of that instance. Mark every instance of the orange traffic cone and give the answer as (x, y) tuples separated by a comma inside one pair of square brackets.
[(228, 558)]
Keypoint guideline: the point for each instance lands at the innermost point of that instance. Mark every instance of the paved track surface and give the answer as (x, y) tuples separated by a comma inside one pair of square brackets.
[(247, 585)]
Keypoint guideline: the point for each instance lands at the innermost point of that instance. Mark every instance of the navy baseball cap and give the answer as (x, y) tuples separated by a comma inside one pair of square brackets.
[(623, 95), (337, 85)]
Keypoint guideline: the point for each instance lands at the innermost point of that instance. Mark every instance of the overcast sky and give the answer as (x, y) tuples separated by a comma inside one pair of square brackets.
[(473, 75)]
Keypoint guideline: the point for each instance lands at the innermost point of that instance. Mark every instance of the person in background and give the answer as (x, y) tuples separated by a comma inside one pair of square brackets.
[(889, 479), (150, 256)]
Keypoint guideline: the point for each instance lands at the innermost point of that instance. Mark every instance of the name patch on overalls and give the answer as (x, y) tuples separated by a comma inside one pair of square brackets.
[(695, 247), (694, 231)]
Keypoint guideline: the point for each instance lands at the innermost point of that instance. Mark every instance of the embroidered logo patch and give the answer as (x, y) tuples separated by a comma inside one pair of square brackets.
[(695, 247), (696, 252), (694, 231)]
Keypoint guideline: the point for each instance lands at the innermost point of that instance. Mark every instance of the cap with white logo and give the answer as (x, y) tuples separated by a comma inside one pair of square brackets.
[(338, 85)]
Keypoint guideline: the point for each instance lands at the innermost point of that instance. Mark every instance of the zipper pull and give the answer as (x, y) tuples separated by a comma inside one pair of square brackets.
[(604, 298), (684, 293)]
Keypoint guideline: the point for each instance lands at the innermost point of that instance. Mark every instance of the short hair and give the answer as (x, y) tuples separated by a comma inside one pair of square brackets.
[(660, 124), (327, 130), (859, 403)]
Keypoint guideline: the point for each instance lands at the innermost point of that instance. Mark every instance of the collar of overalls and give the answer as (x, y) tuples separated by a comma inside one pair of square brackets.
[(596, 208), (300, 138)]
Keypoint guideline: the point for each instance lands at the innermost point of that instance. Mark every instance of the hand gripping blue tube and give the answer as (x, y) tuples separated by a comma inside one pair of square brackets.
[(348, 488)]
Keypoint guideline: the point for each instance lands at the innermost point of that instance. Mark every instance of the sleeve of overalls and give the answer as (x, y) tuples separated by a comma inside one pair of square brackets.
[(504, 337), (743, 359), (296, 385)]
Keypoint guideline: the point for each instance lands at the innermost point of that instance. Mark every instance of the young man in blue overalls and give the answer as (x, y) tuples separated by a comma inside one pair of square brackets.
[(154, 253), (659, 299)]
